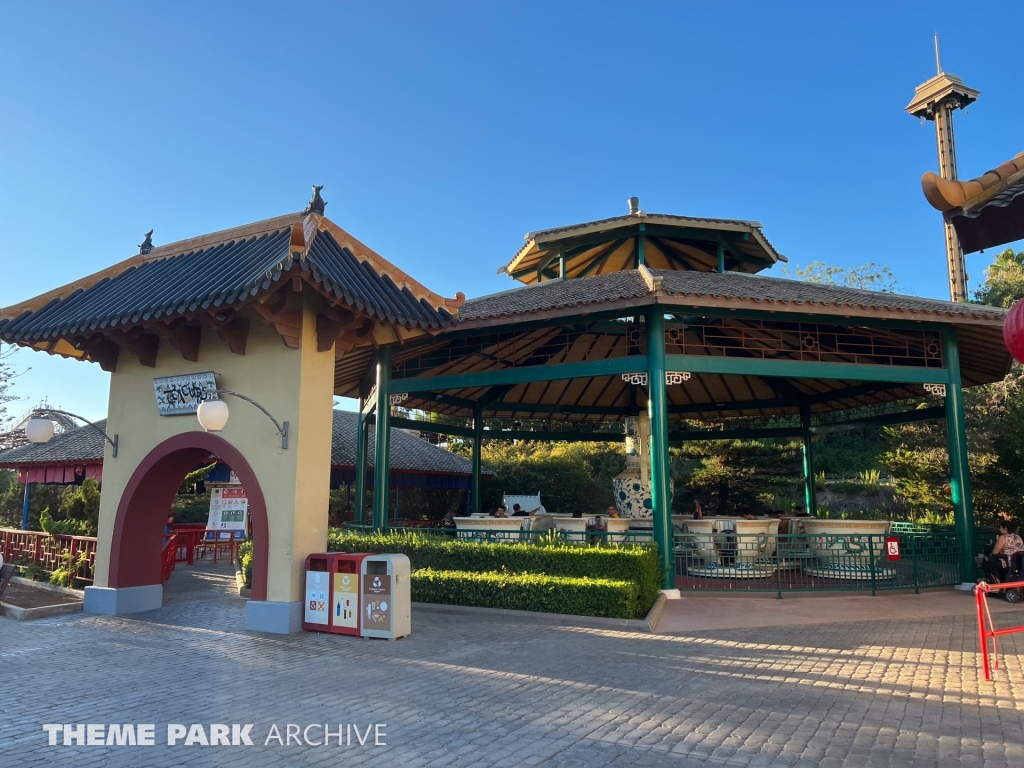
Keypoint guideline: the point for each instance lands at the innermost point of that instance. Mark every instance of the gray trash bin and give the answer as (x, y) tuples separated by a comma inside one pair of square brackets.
[(387, 598)]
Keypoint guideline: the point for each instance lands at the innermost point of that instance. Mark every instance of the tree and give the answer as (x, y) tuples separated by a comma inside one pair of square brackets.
[(867, 277), (1004, 280), (7, 376)]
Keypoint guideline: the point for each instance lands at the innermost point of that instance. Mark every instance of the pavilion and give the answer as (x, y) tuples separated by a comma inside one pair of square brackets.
[(642, 312)]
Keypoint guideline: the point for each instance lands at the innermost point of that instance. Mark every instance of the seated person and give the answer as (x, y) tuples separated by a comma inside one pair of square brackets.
[(612, 512), (500, 511), (448, 523), (518, 511), (746, 513), (577, 514), (1008, 544), (698, 510)]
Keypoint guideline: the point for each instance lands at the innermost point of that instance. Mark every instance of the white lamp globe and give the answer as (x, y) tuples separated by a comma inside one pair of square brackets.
[(212, 415), (39, 430)]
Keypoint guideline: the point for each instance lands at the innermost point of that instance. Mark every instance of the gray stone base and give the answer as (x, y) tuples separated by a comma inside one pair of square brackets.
[(279, 618), (114, 602)]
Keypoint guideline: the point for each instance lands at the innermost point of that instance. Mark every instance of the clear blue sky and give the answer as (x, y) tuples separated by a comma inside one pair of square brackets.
[(444, 131)]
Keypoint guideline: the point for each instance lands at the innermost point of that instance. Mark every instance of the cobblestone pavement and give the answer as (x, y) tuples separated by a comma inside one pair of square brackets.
[(489, 692)]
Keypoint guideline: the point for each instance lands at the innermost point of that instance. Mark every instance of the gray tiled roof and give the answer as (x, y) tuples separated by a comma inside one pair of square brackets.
[(81, 445), (556, 294), (760, 289), (408, 453), (224, 275)]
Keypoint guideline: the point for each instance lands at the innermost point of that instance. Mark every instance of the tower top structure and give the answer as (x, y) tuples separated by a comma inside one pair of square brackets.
[(935, 100)]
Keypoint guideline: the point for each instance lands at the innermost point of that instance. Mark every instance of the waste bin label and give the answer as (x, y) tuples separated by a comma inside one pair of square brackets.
[(316, 597), (346, 595), (377, 602)]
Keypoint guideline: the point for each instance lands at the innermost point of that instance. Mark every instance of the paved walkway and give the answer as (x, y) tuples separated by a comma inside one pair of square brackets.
[(490, 692)]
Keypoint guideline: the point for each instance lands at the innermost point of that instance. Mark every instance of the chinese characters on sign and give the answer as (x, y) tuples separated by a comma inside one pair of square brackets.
[(176, 395)]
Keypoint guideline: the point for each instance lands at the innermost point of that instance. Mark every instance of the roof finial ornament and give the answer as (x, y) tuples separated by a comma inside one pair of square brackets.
[(146, 245), (634, 206), (316, 203)]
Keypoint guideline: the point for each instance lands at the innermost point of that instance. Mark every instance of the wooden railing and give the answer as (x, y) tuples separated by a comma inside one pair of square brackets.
[(47, 551)]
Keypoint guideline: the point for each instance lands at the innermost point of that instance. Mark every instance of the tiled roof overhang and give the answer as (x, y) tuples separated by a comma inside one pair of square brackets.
[(209, 278)]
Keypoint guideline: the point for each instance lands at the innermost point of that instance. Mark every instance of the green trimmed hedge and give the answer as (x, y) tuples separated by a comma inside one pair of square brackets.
[(245, 559), (637, 564), (527, 592)]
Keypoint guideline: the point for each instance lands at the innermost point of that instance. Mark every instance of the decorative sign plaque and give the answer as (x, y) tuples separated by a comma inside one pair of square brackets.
[(176, 395)]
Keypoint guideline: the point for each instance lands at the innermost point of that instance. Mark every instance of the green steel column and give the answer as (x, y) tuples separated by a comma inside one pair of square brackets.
[(810, 489), (721, 256), (640, 248), (657, 410), (478, 436), (382, 453), (959, 469), (561, 263), (361, 454)]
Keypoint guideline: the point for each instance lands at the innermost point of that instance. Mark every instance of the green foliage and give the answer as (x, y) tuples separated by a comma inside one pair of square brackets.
[(871, 478), (65, 574), (66, 527), (868, 277), (636, 564), (726, 475), (81, 503), (34, 571), (568, 476), (192, 479), (1004, 280), (528, 592), (245, 559)]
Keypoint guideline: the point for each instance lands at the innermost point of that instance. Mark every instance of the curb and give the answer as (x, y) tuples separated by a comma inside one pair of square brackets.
[(45, 611), (646, 624)]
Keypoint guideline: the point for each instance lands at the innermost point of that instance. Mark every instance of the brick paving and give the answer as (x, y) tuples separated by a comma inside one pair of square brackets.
[(493, 693)]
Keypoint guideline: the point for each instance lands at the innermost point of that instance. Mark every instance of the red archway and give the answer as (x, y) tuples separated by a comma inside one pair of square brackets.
[(137, 539)]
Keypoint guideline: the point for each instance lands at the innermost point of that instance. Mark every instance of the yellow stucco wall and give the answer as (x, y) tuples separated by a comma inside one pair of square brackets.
[(296, 385)]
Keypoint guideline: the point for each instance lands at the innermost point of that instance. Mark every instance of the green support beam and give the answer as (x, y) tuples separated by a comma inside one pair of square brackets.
[(398, 422), (800, 369), (362, 443), (613, 367), (705, 435), (382, 458), (881, 420), (810, 489), (959, 469), (640, 247), (478, 439), (721, 257), (657, 410)]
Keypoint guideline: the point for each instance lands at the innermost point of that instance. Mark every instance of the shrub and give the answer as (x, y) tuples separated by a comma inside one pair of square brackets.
[(637, 564), (528, 592), (67, 527), (245, 559)]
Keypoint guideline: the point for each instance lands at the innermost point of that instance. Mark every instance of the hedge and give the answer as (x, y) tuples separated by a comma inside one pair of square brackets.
[(527, 592), (637, 564), (245, 560)]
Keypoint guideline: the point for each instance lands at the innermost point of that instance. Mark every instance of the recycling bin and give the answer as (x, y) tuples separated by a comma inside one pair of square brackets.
[(331, 602), (316, 615), (345, 575), (386, 608)]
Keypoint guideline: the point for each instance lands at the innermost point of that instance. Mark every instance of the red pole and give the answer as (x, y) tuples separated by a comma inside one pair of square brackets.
[(979, 599)]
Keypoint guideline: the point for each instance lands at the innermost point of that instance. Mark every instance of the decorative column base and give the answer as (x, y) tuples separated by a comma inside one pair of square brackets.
[(115, 602), (276, 617)]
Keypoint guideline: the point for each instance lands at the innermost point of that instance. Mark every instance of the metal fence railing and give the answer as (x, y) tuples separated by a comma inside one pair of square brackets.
[(49, 552), (804, 562)]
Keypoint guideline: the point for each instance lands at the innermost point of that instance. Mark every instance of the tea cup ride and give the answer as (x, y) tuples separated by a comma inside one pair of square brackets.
[(848, 549), (490, 528), (731, 547), (575, 528)]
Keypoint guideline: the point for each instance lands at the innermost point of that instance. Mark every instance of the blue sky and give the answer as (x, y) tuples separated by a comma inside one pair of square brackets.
[(444, 131)]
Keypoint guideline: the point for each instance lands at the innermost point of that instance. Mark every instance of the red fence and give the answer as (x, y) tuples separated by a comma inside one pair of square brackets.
[(986, 629), (27, 547)]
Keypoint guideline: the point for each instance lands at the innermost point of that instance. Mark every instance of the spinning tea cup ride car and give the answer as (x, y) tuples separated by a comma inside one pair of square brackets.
[(485, 528), (848, 549), (730, 547), (575, 528)]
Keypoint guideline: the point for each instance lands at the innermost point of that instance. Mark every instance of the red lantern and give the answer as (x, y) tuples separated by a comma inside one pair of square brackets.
[(1013, 331)]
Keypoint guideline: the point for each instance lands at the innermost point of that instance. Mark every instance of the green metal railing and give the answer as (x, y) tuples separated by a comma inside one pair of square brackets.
[(804, 562)]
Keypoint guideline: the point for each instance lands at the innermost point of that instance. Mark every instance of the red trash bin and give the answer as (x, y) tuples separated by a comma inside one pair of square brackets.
[(331, 600)]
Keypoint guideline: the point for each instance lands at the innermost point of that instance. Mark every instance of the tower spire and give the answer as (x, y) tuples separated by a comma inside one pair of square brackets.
[(935, 100)]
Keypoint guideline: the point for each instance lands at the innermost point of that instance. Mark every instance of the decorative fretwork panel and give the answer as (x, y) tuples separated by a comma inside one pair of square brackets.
[(781, 340), (542, 346)]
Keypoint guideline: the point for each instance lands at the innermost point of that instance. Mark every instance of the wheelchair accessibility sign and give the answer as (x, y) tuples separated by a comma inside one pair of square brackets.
[(892, 547)]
